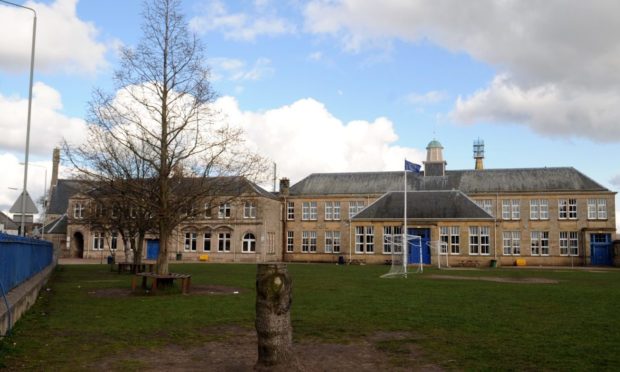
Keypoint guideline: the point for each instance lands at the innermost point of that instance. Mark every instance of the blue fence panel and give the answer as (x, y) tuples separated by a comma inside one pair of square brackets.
[(21, 258)]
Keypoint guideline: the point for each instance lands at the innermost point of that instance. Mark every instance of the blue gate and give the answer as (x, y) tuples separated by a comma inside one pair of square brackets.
[(152, 249), (415, 245), (601, 249)]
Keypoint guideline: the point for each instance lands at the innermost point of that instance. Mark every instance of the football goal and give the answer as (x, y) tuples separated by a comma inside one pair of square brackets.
[(399, 256)]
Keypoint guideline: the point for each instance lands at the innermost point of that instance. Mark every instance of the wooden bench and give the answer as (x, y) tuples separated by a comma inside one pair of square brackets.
[(161, 278)]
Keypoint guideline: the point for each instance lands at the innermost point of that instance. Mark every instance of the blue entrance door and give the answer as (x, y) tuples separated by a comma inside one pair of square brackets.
[(152, 249), (601, 249), (416, 245)]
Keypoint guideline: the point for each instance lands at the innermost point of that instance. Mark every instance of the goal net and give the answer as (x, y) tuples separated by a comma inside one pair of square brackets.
[(439, 253), (398, 257)]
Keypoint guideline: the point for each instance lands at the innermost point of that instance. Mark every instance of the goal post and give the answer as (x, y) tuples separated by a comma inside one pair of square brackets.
[(398, 255), (439, 251)]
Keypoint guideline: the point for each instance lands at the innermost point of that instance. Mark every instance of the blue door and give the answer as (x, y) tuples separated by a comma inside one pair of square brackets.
[(601, 249), (152, 249), (415, 245)]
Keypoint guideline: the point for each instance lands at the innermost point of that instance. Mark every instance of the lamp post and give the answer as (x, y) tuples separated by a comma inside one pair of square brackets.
[(34, 33)]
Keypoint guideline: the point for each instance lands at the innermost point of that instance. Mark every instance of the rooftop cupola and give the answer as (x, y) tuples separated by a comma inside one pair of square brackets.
[(434, 164)]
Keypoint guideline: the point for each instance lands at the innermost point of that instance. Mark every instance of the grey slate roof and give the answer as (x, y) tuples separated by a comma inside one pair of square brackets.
[(424, 205), (467, 181), (61, 193), (58, 226), (8, 223)]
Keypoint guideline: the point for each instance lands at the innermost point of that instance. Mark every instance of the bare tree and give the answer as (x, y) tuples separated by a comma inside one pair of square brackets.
[(156, 140)]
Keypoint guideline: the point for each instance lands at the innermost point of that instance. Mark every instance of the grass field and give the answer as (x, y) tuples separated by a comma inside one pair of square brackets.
[(458, 324)]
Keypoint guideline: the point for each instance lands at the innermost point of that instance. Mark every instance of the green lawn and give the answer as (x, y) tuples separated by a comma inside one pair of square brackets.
[(459, 324)]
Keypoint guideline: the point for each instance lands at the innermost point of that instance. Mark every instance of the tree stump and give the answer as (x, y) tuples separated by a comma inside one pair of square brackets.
[(273, 317)]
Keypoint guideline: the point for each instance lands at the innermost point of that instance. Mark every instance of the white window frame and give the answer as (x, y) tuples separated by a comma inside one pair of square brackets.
[(511, 209), (290, 211), (223, 241), (539, 243), (474, 240), (309, 211), (534, 209), (248, 243), (392, 238), (78, 210), (290, 241), (208, 211), (487, 205), (113, 240), (308, 241), (249, 209), (98, 241), (355, 207), (206, 241), (597, 209), (224, 211), (569, 243), (512, 243), (191, 241), (332, 210), (332, 241)]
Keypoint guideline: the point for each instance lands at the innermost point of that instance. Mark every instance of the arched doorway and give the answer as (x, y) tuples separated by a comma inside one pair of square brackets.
[(78, 245)]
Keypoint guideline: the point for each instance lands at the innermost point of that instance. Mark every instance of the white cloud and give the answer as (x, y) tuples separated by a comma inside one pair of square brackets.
[(615, 181), (13, 178), (319, 141), (63, 41), (237, 70), (241, 26), (565, 52), (48, 124)]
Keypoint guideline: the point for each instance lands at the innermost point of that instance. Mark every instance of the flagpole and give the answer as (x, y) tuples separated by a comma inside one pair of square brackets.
[(405, 235)]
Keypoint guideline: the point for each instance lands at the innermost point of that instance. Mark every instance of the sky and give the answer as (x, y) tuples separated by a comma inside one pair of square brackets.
[(343, 85)]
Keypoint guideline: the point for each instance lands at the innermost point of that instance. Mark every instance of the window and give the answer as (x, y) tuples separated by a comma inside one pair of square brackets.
[(290, 211), (539, 209), (97, 241), (206, 241), (392, 239), (208, 210), (290, 241), (569, 243), (511, 209), (249, 209), (355, 207), (249, 243), (309, 211), (540, 243), (223, 242), (190, 241), (364, 239), (597, 209), (224, 211), (308, 241), (567, 209), (114, 212), (512, 243), (332, 241), (78, 210), (450, 238), (99, 210), (479, 240), (332, 210), (487, 205), (114, 240)]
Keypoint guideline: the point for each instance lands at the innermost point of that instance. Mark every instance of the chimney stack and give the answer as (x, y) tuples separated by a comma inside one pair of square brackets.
[(284, 186), (55, 165)]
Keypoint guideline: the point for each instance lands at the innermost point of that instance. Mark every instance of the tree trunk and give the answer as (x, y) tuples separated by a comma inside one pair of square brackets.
[(273, 317)]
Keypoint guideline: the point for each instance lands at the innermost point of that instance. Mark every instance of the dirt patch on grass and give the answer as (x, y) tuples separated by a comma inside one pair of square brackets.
[(497, 279), (195, 290), (235, 349)]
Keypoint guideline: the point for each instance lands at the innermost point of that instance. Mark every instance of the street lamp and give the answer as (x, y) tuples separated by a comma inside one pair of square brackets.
[(34, 33)]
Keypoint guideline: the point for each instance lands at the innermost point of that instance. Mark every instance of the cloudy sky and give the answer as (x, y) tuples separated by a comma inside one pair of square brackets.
[(345, 85)]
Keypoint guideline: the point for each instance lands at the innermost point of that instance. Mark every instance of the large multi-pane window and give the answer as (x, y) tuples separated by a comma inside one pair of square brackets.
[(569, 243), (207, 210), (392, 239), (512, 243), (487, 205), (597, 209), (567, 209), (224, 211), (332, 241), (309, 211), (539, 209), (539, 243), (190, 241), (206, 241), (290, 211), (511, 209), (450, 238), (98, 241), (364, 239), (249, 209), (290, 241), (355, 207), (114, 240), (332, 210), (223, 242), (78, 210), (479, 240), (249, 243), (308, 241)]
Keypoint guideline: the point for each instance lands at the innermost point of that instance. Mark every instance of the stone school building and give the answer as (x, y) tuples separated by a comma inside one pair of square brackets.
[(537, 216)]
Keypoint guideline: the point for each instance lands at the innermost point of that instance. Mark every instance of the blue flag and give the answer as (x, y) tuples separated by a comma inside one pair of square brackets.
[(412, 167)]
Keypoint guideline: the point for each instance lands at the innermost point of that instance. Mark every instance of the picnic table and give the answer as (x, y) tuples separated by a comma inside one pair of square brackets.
[(161, 278)]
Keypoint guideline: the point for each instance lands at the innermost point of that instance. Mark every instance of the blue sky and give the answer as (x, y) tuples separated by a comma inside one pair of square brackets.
[(346, 85)]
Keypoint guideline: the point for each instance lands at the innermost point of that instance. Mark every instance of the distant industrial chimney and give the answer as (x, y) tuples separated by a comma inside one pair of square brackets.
[(479, 153), (55, 165)]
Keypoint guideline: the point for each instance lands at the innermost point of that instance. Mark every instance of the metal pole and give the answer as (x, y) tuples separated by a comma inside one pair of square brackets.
[(34, 33)]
